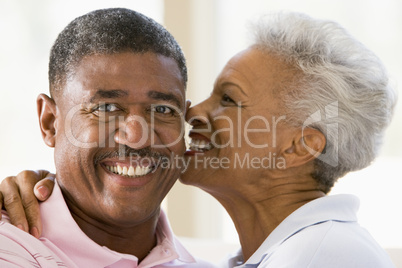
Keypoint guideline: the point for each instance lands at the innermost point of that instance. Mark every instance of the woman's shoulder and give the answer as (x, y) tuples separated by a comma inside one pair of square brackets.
[(329, 244)]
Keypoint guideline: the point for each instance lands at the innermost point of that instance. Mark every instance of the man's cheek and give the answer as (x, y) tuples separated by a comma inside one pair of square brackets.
[(174, 140), (84, 136)]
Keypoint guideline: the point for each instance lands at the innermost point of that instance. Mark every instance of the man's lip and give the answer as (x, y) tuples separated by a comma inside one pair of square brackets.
[(144, 162), (129, 181)]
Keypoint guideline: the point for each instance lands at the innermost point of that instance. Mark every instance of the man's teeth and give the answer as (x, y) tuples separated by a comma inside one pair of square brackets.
[(200, 145), (131, 171)]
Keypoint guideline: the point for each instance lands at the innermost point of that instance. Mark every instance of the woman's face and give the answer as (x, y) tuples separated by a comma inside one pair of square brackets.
[(239, 131)]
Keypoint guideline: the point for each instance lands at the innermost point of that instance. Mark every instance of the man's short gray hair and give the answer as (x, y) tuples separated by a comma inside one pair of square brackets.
[(338, 75), (108, 31)]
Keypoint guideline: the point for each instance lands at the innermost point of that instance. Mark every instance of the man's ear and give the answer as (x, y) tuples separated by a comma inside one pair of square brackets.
[(46, 108), (188, 104), (307, 144)]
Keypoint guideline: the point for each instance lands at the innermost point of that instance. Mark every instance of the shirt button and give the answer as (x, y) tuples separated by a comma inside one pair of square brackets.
[(167, 251)]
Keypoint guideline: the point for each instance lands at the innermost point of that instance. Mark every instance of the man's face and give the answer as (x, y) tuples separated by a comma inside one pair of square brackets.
[(118, 119)]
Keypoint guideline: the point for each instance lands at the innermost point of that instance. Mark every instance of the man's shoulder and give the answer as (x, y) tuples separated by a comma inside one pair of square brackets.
[(20, 249)]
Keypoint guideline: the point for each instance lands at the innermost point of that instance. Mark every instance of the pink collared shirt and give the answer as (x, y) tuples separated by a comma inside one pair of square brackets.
[(63, 244)]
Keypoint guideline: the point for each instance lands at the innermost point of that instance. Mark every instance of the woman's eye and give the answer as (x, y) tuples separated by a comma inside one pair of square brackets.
[(161, 109), (227, 99), (106, 108)]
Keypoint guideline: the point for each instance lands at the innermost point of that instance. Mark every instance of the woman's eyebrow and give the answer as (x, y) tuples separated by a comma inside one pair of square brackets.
[(223, 84)]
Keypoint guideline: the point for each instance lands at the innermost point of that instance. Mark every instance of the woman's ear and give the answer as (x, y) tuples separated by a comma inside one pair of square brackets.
[(46, 108), (306, 145)]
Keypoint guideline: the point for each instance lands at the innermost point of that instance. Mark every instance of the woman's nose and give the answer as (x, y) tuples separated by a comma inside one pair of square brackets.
[(198, 115)]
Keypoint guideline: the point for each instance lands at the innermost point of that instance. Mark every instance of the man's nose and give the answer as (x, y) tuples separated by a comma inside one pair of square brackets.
[(133, 131)]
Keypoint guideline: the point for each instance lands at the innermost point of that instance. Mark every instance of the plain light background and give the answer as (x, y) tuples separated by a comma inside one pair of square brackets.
[(216, 30)]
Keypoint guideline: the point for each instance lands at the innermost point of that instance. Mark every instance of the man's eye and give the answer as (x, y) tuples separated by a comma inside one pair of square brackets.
[(161, 109), (106, 108)]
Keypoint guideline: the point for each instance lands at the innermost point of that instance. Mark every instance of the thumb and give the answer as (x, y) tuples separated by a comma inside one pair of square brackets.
[(44, 187)]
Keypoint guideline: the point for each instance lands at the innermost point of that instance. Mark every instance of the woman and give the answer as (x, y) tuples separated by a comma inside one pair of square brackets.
[(288, 116)]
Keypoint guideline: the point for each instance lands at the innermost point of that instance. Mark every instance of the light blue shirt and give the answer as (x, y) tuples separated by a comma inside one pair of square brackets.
[(322, 233)]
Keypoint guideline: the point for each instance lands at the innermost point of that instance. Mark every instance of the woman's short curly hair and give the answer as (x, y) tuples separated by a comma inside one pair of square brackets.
[(341, 81)]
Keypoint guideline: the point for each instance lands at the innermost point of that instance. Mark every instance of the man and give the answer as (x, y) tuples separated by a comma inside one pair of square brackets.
[(114, 117)]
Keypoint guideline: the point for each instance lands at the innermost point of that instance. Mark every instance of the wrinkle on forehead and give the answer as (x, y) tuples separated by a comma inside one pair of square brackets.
[(258, 68)]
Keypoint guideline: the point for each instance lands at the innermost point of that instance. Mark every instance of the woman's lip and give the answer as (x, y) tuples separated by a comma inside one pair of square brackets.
[(198, 136), (198, 144), (192, 153)]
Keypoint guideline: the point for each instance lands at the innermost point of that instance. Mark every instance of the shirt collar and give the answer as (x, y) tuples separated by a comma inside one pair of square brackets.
[(60, 229), (342, 207), (168, 246)]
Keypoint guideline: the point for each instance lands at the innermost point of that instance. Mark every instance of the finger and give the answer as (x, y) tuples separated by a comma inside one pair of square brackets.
[(1, 204), (44, 187), (13, 203), (26, 181)]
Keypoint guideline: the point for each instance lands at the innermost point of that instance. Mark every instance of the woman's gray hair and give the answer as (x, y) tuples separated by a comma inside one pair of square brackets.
[(343, 90)]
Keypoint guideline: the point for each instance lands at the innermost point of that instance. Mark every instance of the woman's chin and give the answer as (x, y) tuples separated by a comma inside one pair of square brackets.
[(200, 167), (192, 173), (189, 175)]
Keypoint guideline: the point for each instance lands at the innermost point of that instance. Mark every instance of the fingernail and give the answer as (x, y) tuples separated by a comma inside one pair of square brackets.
[(19, 226), (34, 231), (43, 191)]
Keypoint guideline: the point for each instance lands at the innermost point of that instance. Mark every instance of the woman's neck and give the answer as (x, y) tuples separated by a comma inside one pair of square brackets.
[(257, 209)]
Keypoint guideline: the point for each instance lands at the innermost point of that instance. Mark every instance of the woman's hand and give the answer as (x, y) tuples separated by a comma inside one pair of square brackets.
[(19, 195)]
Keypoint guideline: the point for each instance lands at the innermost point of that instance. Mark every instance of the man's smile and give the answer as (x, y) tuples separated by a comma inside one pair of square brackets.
[(130, 171), (130, 174)]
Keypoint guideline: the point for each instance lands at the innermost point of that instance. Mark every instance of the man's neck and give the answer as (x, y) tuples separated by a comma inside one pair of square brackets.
[(137, 239)]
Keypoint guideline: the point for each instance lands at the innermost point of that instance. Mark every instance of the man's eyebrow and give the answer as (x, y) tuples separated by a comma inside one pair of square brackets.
[(108, 94), (157, 95)]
